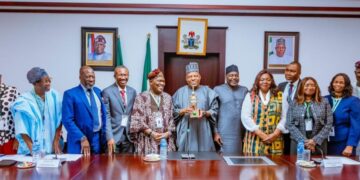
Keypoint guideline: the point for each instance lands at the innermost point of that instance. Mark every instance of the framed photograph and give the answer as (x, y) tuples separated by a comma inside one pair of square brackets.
[(281, 48), (192, 36), (98, 47)]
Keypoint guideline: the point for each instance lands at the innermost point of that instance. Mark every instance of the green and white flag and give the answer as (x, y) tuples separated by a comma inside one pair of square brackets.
[(147, 65), (119, 58), (269, 44)]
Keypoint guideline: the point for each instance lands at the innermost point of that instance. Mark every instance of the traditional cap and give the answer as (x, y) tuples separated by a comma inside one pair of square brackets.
[(280, 41), (35, 74), (154, 73), (192, 67), (232, 68), (100, 39), (357, 64)]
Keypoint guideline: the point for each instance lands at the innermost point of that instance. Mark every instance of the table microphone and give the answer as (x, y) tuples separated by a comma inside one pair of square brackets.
[(319, 160)]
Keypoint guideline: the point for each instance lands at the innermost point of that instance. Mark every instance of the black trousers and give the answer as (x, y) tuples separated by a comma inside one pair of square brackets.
[(287, 143), (124, 147)]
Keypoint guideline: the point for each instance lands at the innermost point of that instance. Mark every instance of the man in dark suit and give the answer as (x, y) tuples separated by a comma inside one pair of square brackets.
[(84, 115), (289, 89), (119, 100)]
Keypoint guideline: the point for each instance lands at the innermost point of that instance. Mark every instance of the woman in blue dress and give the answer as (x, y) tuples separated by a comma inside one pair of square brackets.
[(345, 133)]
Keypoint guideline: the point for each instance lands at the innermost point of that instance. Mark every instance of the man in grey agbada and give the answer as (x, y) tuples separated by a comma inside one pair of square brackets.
[(200, 134), (119, 100), (231, 96)]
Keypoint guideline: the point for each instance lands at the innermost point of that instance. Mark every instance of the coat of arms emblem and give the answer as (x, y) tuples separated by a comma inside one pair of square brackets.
[(191, 40)]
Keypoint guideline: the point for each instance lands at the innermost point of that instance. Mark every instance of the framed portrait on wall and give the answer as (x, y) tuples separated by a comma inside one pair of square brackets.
[(191, 36), (98, 47), (281, 48)]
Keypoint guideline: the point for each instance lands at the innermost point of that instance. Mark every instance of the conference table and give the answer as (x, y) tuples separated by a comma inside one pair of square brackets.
[(130, 166)]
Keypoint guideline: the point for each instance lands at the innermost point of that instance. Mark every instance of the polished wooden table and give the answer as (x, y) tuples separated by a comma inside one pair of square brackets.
[(133, 167)]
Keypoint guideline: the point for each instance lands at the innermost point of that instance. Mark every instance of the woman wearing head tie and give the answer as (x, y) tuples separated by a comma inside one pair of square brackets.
[(151, 118)]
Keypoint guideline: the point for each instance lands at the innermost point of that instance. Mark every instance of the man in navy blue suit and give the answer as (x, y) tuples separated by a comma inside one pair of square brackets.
[(84, 115)]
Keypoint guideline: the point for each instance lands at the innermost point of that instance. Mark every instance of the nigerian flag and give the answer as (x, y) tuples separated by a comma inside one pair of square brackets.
[(119, 58), (271, 52), (147, 65)]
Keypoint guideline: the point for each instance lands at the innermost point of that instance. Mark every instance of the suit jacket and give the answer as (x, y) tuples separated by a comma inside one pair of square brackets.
[(323, 119), (282, 86), (78, 118), (346, 120), (115, 110)]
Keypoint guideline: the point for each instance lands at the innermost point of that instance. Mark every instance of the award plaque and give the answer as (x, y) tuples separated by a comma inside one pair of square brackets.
[(193, 103)]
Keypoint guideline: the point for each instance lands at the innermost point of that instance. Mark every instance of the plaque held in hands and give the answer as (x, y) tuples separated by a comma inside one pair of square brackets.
[(193, 104)]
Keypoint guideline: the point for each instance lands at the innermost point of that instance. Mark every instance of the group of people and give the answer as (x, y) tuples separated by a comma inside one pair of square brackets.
[(268, 119)]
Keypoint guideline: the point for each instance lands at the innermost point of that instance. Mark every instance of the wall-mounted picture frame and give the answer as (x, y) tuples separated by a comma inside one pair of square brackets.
[(192, 36), (98, 47), (281, 48)]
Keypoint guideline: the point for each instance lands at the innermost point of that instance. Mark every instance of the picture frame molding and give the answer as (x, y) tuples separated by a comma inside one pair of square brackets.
[(281, 68), (201, 52), (84, 54)]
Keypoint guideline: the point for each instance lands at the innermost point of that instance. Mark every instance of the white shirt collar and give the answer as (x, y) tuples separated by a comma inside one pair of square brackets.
[(84, 88), (294, 83), (265, 100), (120, 89)]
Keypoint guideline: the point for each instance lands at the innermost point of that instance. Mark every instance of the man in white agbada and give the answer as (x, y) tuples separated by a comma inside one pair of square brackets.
[(200, 134), (37, 115)]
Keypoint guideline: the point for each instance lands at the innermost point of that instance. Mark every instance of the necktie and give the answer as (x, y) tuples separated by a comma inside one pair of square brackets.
[(122, 92), (94, 109), (290, 92)]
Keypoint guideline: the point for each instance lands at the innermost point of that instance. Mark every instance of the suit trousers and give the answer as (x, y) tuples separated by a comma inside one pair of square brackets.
[(124, 147), (95, 143), (287, 142)]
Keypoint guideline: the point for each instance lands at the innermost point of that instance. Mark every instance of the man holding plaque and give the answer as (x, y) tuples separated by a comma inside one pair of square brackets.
[(195, 112)]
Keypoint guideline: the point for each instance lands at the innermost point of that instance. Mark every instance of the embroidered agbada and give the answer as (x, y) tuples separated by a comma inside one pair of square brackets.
[(229, 120), (36, 118), (200, 135), (144, 116), (267, 118)]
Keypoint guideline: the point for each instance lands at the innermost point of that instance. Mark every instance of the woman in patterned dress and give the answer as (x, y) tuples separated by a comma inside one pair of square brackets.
[(151, 118), (8, 143), (261, 116)]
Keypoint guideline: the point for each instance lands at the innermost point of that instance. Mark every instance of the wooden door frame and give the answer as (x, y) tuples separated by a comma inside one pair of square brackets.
[(216, 43)]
